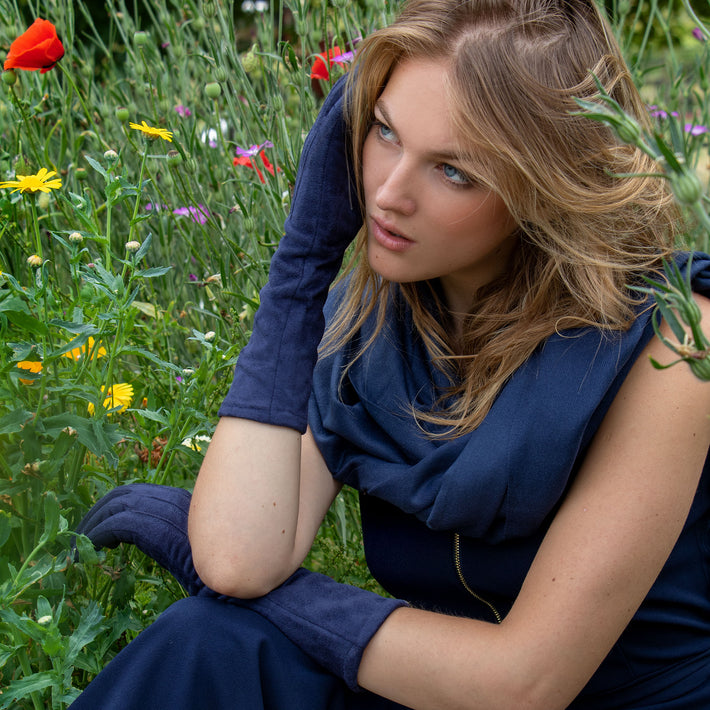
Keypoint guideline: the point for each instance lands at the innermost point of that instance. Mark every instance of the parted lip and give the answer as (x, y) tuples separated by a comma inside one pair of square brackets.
[(390, 227)]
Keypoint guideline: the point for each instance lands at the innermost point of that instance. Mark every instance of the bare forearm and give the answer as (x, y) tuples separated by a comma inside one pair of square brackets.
[(429, 661), (244, 511)]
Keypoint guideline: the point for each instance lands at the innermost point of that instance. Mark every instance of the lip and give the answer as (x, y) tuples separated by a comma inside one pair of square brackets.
[(385, 234)]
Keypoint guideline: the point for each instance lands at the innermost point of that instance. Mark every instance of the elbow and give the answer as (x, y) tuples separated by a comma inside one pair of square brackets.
[(235, 572)]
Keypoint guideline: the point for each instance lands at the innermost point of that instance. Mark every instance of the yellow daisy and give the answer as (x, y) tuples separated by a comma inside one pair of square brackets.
[(88, 347), (41, 182), (34, 366), (120, 395), (151, 132)]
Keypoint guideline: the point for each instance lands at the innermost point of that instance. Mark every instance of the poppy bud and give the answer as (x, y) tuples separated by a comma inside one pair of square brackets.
[(219, 74), (9, 77), (199, 23), (122, 113), (141, 39), (213, 90)]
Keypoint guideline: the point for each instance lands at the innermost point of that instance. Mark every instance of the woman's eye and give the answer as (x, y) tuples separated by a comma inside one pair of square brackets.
[(385, 132), (454, 174)]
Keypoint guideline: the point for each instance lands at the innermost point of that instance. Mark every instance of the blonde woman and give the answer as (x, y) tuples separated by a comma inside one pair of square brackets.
[(533, 492)]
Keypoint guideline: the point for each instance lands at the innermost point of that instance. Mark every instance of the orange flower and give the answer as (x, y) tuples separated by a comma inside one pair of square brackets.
[(38, 48), (33, 366), (80, 352), (325, 60)]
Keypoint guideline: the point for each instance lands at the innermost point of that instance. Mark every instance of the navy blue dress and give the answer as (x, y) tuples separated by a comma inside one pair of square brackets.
[(451, 526)]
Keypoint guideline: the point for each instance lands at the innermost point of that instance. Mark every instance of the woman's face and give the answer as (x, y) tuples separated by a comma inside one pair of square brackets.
[(426, 217)]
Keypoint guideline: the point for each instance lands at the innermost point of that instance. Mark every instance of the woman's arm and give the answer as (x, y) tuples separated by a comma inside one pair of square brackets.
[(259, 499), (603, 551)]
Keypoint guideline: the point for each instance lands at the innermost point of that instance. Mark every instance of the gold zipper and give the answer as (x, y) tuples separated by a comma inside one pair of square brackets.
[(462, 579)]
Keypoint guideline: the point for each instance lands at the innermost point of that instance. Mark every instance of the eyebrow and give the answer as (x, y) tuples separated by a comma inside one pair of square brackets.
[(439, 155)]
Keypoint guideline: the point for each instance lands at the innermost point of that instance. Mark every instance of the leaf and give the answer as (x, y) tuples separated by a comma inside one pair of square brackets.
[(144, 247), (51, 517), (14, 421), (18, 689), (154, 271), (27, 322), (90, 626), (96, 165), (147, 309)]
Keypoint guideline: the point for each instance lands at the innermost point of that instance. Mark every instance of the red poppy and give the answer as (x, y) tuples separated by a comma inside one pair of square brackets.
[(321, 70), (246, 161), (38, 48)]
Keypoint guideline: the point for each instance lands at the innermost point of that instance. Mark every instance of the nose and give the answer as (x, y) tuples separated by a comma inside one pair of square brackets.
[(396, 191)]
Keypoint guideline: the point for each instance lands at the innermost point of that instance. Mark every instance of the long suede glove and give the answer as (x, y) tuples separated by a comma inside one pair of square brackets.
[(273, 375), (331, 622)]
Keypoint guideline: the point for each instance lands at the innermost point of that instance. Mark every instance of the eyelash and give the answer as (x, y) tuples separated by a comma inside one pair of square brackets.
[(378, 126)]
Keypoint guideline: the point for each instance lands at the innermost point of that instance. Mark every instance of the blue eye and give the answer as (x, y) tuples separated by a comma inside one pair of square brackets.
[(385, 132), (454, 174)]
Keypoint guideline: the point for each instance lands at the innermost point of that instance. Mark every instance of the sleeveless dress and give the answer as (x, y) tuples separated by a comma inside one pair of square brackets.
[(453, 526)]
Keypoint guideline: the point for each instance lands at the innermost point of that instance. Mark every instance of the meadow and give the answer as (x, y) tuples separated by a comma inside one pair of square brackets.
[(147, 154)]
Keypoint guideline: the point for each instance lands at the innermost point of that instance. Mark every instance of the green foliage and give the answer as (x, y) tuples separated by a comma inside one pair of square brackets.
[(127, 293)]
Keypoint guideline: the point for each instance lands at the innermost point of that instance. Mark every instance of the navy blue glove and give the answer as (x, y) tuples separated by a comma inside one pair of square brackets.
[(329, 621), (273, 376), (151, 517)]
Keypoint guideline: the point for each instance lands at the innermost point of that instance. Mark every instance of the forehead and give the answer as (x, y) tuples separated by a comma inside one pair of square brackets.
[(416, 105)]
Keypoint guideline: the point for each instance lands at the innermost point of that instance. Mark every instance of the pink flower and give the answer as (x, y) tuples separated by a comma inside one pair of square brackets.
[(183, 111), (199, 214), (325, 60)]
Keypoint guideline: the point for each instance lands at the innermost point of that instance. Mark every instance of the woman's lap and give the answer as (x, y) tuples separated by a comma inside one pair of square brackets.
[(205, 653)]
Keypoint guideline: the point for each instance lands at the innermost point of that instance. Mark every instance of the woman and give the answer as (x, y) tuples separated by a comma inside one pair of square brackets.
[(529, 484)]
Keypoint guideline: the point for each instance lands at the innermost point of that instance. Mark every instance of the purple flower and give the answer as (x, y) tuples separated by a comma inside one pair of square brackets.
[(150, 206), (695, 130), (199, 214), (698, 34), (342, 58), (192, 277), (254, 150), (183, 111)]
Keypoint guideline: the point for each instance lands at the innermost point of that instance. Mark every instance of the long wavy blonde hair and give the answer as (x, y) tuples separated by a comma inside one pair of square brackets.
[(585, 233)]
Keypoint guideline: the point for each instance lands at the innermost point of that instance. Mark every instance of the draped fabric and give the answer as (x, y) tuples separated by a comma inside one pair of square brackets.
[(505, 479)]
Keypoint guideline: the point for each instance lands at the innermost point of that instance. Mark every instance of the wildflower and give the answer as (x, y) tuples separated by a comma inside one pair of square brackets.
[(325, 60), (210, 136), (76, 237), (120, 395), (192, 277), (41, 182), (33, 366), (695, 130), (210, 336), (244, 157), (152, 132), (35, 260), (133, 245), (37, 48), (111, 156), (193, 442), (183, 111), (199, 214), (698, 34), (81, 351)]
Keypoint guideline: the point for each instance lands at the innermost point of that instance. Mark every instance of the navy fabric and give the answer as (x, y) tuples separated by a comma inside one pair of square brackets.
[(272, 378), (506, 478), (499, 488), (331, 622), (205, 654)]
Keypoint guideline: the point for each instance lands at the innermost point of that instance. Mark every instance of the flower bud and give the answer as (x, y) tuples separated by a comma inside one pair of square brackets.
[(219, 73), (9, 77), (81, 174), (110, 156), (141, 39), (687, 187), (209, 9), (122, 113), (249, 61), (76, 238), (133, 246), (213, 90), (35, 260), (628, 130), (199, 23), (210, 336), (43, 200), (174, 158), (277, 103)]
